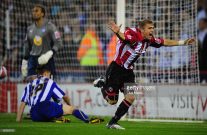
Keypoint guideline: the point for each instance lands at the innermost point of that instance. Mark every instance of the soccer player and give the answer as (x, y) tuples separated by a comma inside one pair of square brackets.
[(41, 43), (38, 95), (132, 43)]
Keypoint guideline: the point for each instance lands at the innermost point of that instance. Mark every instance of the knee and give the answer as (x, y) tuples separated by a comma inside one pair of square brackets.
[(130, 98), (112, 100), (110, 96), (68, 109)]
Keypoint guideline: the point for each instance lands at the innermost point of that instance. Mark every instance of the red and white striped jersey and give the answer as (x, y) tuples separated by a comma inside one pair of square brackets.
[(128, 51)]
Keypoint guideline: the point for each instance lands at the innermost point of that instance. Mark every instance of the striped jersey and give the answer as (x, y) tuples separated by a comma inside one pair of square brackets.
[(129, 50), (41, 89)]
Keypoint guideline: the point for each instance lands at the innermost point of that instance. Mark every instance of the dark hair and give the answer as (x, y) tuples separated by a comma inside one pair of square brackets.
[(204, 19), (43, 9), (144, 22), (41, 69)]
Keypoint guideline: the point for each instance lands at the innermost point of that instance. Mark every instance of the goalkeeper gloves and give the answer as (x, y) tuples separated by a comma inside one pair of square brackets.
[(24, 67), (44, 58)]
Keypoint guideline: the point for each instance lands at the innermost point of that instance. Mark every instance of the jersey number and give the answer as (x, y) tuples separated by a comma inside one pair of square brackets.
[(36, 89)]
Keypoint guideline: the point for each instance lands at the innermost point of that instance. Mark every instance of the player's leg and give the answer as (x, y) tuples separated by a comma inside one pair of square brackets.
[(102, 81), (127, 76), (123, 108), (46, 111), (68, 109), (32, 66), (110, 89), (111, 95)]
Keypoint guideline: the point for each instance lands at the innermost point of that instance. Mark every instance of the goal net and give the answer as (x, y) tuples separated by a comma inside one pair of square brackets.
[(77, 19), (166, 65), (173, 19)]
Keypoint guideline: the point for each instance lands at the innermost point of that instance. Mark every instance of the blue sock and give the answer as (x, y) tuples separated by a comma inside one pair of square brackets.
[(80, 115)]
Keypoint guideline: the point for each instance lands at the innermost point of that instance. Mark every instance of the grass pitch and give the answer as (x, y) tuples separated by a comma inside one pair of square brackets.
[(8, 125)]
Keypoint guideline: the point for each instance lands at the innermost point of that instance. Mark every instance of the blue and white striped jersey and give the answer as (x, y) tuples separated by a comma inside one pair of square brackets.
[(41, 89)]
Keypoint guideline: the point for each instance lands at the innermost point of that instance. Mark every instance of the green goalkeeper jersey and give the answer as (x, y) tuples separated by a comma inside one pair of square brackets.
[(39, 40)]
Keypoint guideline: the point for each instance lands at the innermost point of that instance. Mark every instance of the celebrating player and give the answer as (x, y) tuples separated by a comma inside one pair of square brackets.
[(38, 94), (132, 43), (42, 41)]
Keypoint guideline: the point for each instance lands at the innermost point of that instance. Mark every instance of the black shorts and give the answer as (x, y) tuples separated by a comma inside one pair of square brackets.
[(33, 65), (116, 76)]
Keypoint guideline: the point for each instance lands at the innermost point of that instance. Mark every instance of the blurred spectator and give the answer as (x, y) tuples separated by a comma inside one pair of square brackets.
[(90, 53), (71, 39), (111, 49), (203, 11), (202, 30), (202, 37), (76, 39), (55, 9)]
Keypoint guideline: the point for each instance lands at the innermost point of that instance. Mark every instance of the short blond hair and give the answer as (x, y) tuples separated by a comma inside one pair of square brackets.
[(144, 22)]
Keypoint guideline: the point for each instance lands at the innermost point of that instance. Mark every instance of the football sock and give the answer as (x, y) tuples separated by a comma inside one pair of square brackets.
[(80, 115), (121, 110)]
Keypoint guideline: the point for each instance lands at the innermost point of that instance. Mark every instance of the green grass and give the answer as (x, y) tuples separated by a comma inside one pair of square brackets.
[(76, 127)]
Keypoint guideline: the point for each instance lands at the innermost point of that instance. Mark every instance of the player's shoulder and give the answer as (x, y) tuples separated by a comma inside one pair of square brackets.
[(135, 29), (50, 23), (31, 26), (41, 79)]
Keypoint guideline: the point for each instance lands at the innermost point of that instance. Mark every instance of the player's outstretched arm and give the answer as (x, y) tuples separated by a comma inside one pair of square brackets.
[(20, 112), (116, 29), (169, 42)]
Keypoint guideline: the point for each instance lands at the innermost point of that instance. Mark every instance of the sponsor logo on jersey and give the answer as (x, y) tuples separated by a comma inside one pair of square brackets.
[(158, 41), (129, 36), (37, 40), (111, 89), (57, 34)]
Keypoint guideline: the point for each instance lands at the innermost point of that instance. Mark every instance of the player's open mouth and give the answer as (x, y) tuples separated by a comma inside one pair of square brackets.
[(150, 35)]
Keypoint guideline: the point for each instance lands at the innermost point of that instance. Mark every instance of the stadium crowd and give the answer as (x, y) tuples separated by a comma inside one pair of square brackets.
[(73, 18)]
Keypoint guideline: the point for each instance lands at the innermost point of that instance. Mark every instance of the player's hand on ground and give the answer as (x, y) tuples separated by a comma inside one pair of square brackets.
[(44, 58), (189, 41), (24, 68), (114, 27)]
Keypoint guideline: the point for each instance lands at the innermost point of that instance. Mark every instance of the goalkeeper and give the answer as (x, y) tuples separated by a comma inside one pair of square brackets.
[(38, 94), (41, 43), (131, 45)]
